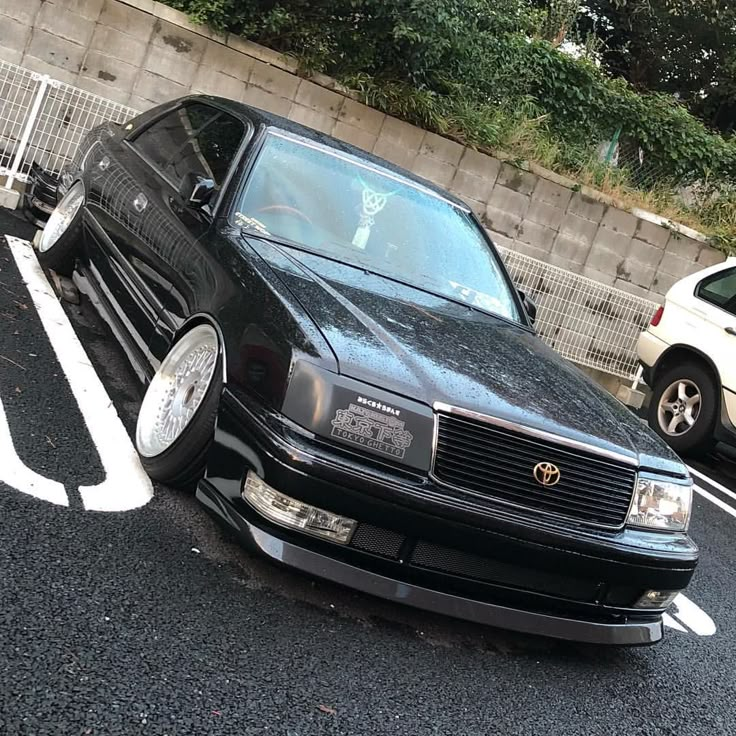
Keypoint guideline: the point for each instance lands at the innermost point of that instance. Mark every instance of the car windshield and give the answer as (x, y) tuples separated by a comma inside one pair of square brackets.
[(336, 205)]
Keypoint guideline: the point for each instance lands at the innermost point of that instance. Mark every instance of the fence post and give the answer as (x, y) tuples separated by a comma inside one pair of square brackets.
[(637, 378), (28, 129)]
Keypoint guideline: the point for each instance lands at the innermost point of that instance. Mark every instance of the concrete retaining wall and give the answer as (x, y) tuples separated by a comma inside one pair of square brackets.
[(141, 53)]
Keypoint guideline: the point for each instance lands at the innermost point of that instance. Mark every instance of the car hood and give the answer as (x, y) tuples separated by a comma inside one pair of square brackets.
[(431, 349)]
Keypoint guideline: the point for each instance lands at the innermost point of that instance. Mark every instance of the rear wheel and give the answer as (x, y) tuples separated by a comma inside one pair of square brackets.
[(59, 243), (177, 416), (684, 408)]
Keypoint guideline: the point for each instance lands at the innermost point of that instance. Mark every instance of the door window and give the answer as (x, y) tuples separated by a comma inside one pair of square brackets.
[(210, 151), (194, 138), (720, 289)]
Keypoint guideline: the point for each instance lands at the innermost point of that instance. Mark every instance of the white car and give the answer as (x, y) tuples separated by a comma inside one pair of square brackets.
[(689, 357)]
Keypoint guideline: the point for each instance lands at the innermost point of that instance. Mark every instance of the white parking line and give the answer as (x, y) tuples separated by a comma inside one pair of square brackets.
[(15, 473), (686, 616), (712, 483), (126, 485), (715, 500)]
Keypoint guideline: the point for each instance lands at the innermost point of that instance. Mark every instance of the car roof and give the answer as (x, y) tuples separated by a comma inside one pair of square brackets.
[(265, 119)]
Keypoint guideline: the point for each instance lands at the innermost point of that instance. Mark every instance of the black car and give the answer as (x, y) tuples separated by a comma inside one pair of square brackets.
[(336, 357)]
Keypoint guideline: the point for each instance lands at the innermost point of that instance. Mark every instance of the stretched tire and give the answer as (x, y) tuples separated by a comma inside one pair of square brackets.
[(61, 237), (177, 417), (684, 408)]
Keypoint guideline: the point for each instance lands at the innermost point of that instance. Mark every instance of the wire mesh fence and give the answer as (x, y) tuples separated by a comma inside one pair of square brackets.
[(42, 122), (66, 114), (589, 323), (624, 162), (642, 172), (18, 88)]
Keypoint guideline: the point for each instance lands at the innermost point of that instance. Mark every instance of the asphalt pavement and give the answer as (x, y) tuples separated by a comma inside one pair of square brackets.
[(153, 620)]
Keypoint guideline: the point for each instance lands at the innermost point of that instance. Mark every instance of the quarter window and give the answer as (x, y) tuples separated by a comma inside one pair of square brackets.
[(720, 289)]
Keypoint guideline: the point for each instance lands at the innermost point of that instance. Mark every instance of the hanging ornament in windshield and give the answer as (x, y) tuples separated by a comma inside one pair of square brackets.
[(373, 203)]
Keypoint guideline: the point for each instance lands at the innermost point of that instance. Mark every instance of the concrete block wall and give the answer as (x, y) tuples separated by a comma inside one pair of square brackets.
[(141, 53)]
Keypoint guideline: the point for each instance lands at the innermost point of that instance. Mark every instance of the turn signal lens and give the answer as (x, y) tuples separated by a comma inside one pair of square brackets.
[(657, 599), (657, 317), (295, 514), (661, 505)]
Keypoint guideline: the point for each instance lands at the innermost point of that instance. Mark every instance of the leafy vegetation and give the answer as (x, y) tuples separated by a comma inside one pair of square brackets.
[(491, 73), (683, 47)]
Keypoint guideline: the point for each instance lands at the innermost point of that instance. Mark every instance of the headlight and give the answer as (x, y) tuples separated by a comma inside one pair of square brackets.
[(659, 504)]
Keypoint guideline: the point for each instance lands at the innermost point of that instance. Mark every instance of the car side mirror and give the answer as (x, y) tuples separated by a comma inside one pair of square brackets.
[(196, 190), (529, 306)]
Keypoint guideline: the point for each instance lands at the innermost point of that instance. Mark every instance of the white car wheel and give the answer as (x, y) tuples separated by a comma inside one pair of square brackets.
[(62, 217), (176, 418), (679, 407)]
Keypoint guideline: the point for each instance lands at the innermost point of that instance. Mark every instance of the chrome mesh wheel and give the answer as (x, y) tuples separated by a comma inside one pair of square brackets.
[(62, 217), (177, 391), (679, 407)]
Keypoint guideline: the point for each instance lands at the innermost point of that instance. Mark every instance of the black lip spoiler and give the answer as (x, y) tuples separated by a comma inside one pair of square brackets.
[(592, 632)]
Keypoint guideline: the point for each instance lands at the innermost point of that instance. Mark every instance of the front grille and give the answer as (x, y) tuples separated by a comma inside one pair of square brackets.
[(496, 463), (465, 564)]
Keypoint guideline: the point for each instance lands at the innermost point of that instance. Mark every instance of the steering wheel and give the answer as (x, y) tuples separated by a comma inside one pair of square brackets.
[(287, 210)]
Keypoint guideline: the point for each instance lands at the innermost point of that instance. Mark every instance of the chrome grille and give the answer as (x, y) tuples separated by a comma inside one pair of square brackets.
[(496, 463)]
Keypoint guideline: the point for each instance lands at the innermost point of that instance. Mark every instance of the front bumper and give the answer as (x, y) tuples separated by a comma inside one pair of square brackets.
[(650, 349), (527, 622), (577, 584)]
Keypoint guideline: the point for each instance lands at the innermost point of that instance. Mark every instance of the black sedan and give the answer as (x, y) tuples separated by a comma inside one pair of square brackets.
[(337, 360)]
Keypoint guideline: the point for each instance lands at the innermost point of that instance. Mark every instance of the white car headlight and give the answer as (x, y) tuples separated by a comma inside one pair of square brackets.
[(661, 504)]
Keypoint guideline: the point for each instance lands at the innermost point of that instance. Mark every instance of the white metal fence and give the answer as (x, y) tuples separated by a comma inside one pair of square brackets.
[(43, 120), (589, 323)]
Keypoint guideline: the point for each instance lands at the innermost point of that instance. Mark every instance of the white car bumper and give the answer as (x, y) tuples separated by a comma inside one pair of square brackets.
[(650, 348)]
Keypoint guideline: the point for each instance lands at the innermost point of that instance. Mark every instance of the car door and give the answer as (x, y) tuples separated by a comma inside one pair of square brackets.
[(188, 273), (114, 181), (132, 220), (716, 295), (151, 231)]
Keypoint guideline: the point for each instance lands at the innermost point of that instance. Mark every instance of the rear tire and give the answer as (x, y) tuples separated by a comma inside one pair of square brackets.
[(177, 417), (61, 237), (684, 408)]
